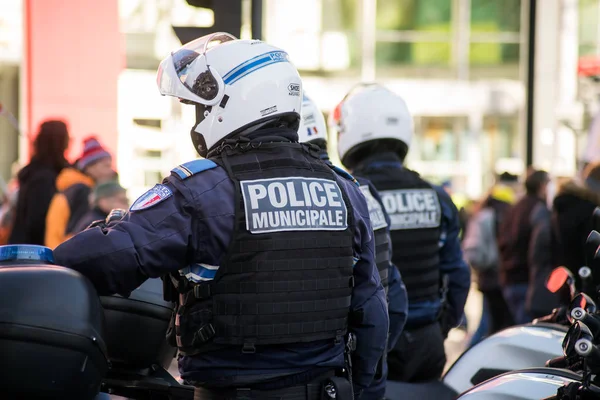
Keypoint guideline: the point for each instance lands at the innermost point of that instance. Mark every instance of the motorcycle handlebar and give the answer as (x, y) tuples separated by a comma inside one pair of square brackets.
[(589, 320), (587, 282)]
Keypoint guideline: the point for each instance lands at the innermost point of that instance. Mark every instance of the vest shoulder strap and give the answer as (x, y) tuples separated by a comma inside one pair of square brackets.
[(344, 174), (192, 168)]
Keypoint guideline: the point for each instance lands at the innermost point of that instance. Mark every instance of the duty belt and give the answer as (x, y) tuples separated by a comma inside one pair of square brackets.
[(311, 391)]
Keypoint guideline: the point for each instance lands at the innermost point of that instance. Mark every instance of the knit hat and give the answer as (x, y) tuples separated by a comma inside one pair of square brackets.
[(92, 152)]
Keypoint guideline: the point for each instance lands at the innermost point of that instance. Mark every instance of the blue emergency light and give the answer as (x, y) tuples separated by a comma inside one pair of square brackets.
[(26, 252)]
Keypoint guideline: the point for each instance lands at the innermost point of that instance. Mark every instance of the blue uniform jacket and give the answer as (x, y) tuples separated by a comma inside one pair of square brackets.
[(452, 263), (197, 221), (397, 305)]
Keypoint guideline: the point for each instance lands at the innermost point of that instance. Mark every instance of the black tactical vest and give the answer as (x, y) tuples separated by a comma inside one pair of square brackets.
[(380, 231), (415, 216), (287, 276)]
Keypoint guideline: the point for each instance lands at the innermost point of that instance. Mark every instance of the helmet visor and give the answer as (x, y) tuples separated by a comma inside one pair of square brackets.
[(178, 65)]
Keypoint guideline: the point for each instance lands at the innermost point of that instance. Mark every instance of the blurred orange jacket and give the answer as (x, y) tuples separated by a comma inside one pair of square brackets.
[(69, 204)]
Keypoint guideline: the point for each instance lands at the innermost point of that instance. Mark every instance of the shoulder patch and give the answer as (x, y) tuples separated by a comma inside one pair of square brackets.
[(344, 174), (151, 198), (192, 168)]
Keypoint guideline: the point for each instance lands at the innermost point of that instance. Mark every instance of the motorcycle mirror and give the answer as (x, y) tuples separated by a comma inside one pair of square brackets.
[(582, 301), (558, 278), (591, 244)]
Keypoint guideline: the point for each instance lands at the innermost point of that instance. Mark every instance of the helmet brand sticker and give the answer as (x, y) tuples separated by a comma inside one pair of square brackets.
[(294, 89), (375, 211), (412, 208), (293, 204), (151, 198), (268, 111)]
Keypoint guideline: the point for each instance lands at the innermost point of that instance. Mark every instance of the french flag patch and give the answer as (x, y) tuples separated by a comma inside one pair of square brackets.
[(151, 198), (312, 131)]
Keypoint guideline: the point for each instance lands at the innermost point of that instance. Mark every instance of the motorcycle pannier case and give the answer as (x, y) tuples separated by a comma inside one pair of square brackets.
[(51, 323), (136, 327)]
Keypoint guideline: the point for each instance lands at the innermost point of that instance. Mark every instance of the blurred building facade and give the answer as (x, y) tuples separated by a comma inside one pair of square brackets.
[(460, 65)]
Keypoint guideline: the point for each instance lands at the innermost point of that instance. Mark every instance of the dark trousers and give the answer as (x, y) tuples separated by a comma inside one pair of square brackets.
[(499, 312), (419, 355)]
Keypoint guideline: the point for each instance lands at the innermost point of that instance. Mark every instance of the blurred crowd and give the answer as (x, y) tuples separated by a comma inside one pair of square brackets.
[(518, 233), (49, 200)]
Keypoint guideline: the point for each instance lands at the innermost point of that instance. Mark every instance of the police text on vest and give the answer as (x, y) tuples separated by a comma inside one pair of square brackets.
[(412, 208), (375, 212), (293, 204)]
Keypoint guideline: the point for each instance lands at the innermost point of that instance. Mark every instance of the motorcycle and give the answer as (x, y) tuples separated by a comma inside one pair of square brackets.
[(59, 339), (574, 376), (519, 347)]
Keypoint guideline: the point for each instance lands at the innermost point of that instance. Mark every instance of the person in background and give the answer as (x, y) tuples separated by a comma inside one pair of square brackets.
[(105, 197), (524, 246), (571, 218), (375, 131), (37, 183), (480, 246), (75, 185)]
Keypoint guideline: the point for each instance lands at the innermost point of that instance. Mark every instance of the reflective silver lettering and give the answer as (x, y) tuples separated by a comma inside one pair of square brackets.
[(306, 194), (418, 201), (300, 218), (402, 203), (259, 220), (430, 201), (332, 194), (273, 219), (389, 202), (317, 200), (256, 192), (323, 218), (273, 196), (339, 218), (314, 217), (294, 202), (285, 218)]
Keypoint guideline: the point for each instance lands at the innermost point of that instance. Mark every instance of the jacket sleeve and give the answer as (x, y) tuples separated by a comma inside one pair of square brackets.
[(148, 243), (452, 263), (368, 298), (397, 295), (397, 305), (57, 220)]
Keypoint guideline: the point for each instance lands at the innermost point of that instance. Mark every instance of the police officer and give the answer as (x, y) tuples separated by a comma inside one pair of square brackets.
[(313, 129), (270, 250), (374, 134)]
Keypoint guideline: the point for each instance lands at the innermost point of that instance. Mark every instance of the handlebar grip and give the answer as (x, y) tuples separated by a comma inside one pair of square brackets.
[(587, 283), (585, 348), (589, 320), (557, 362)]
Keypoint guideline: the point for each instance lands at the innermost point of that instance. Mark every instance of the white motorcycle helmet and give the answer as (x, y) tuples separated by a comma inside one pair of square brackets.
[(236, 86), (371, 119), (313, 128)]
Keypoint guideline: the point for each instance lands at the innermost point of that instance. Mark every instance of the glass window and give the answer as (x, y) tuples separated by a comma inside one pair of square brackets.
[(588, 26), (438, 138), (500, 139), (494, 60), (489, 16), (414, 15)]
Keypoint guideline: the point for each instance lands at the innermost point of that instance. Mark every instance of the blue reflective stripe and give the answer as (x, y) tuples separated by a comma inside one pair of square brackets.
[(194, 167), (343, 173), (254, 64), (200, 272)]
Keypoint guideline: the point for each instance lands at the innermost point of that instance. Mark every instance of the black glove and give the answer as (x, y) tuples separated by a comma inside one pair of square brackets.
[(114, 215), (98, 223)]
